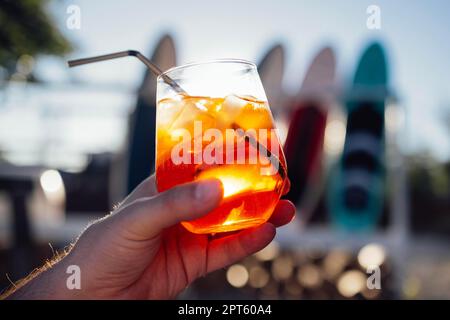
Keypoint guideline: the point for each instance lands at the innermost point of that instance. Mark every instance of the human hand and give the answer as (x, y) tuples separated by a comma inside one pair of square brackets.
[(140, 251)]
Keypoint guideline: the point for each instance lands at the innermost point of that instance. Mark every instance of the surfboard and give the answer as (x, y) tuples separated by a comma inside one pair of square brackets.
[(141, 156), (304, 143), (271, 71), (355, 197)]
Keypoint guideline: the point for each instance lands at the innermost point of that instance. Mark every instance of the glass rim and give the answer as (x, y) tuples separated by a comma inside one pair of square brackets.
[(213, 61)]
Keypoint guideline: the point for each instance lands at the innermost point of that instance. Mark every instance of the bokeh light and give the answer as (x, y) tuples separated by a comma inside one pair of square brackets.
[(282, 267), (334, 136), (394, 117), (351, 283), (334, 263), (309, 276), (51, 181), (237, 275), (268, 253), (258, 277), (371, 255)]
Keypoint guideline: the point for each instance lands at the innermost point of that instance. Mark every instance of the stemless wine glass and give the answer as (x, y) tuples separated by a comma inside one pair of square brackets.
[(221, 127)]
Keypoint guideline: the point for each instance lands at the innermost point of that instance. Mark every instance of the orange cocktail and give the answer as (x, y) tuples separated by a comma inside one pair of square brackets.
[(231, 138)]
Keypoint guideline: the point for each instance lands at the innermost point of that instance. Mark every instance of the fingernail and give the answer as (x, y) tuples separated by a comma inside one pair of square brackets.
[(208, 189)]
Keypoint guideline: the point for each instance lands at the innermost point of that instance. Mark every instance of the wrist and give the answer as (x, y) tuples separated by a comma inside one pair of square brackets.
[(53, 282)]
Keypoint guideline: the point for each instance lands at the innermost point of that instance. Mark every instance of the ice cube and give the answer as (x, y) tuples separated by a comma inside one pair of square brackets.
[(193, 111), (230, 110), (255, 115), (167, 111)]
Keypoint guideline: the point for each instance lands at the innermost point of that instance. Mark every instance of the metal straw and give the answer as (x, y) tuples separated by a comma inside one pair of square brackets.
[(129, 53)]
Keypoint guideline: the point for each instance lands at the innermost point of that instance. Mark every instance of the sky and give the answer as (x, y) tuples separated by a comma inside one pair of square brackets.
[(415, 34)]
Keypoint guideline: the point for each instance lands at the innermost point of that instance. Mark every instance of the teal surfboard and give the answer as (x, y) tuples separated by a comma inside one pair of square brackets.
[(356, 188)]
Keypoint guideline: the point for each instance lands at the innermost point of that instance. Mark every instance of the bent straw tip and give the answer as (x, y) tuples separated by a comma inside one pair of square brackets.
[(133, 52)]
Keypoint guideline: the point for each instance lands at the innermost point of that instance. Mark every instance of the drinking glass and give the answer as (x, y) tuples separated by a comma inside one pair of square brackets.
[(220, 126)]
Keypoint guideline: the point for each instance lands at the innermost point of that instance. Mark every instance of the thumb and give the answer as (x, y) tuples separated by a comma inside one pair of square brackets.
[(149, 216)]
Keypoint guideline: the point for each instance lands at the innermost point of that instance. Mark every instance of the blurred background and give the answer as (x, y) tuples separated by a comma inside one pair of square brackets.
[(68, 137)]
